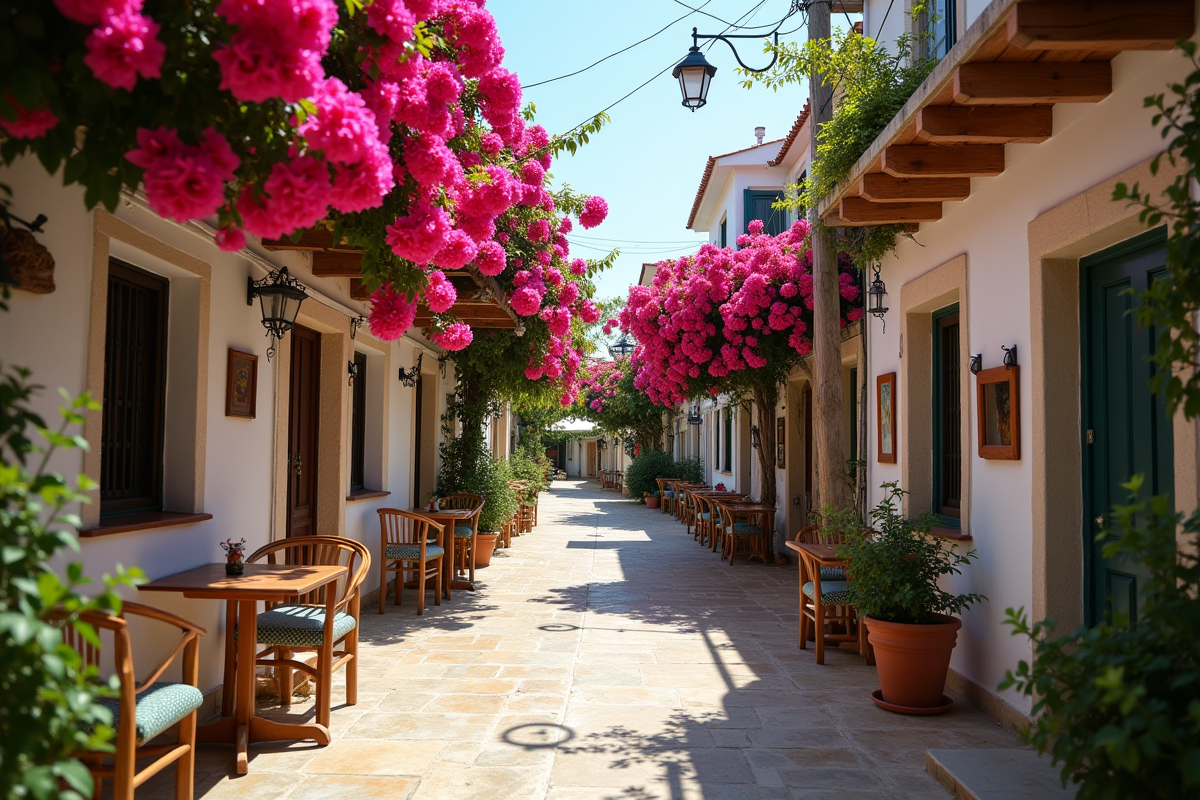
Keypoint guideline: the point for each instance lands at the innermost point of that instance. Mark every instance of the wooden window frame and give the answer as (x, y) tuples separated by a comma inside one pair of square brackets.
[(990, 377), (126, 272), (880, 456), (727, 439), (358, 425), (937, 318)]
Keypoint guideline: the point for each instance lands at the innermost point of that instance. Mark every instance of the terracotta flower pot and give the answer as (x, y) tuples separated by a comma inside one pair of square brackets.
[(485, 545), (912, 661), (651, 501)]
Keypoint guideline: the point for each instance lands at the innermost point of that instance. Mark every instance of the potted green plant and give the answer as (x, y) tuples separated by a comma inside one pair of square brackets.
[(893, 574), (500, 503), (651, 499)]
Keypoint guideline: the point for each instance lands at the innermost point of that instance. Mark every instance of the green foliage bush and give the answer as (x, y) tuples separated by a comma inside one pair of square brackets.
[(641, 476), (894, 571), (468, 466), (689, 469), (500, 501), (1118, 705), (50, 714)]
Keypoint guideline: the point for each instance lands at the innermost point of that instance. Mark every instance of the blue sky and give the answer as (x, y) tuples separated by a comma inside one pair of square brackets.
[(648, 161)]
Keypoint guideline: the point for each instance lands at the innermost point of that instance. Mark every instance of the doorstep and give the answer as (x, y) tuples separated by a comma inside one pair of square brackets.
[(997, 774)]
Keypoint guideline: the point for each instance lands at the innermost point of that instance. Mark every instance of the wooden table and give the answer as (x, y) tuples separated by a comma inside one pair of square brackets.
[(449, 517), (266, 582), (766, 517)]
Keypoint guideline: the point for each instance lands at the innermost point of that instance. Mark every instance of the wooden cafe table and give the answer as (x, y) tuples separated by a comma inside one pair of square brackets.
[(448, 518), (265, 582), (766, 521)]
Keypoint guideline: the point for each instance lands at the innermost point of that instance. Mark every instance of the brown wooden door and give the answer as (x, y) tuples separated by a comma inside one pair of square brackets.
[(418, 443), (591, 460), (302, 432)]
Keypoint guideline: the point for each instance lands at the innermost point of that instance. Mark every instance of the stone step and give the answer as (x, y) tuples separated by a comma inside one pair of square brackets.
[(997, 774)]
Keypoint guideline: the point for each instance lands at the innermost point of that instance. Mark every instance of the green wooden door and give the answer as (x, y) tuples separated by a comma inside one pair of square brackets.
[(1125, 427)]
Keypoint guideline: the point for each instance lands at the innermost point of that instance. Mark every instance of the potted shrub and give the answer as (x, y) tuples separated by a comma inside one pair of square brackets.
[(641, 477), (893, 572), (500, 503)]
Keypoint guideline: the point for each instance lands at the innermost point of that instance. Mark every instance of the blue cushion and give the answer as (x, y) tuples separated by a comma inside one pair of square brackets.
[(463, 531), (705, 515), (159, 707), (300, 626), (832, 593), (668, 493), (412, 552), (747, 528), (832, 574)]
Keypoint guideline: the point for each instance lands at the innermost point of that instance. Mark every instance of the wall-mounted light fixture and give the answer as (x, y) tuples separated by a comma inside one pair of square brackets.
[(754, 440), (279, 296), (976, 363), (601, 443), (409, 377), (1010, 355), (352, 369), (355, 324), (877, 297), (694, 417)]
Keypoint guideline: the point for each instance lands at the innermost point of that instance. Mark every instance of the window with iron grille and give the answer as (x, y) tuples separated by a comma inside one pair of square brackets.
[(135, 372), (358, 425)]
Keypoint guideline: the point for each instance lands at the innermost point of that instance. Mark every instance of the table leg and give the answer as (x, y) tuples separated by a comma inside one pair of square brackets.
[(244, 705)]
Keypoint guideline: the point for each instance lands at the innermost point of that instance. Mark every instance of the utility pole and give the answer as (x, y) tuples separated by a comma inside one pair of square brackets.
[(828, 401)]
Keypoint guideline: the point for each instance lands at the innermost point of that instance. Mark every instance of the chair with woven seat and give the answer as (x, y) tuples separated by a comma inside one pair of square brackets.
[(703, 516), (302, 626), (410, 544), (734, 533), (666, 495), (147, 708), (824, 600), (465, 530)]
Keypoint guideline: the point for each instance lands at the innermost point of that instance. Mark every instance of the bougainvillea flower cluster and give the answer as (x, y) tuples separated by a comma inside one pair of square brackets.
[(398, 129), (709, 318)]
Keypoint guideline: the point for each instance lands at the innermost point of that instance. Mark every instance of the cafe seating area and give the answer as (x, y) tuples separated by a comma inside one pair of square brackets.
[(727, 521)]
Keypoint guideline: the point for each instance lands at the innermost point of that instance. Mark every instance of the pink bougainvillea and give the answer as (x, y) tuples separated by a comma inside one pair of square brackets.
[(184, 182), (439, 293), (30, 123), (123, 46), (595, 210), (455, 337), (391, 313)]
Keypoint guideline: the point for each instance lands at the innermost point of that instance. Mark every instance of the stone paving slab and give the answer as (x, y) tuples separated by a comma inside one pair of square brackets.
[(606, 655)]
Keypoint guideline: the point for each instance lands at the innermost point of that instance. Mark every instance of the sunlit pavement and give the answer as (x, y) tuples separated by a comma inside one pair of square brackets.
[(606, 655)]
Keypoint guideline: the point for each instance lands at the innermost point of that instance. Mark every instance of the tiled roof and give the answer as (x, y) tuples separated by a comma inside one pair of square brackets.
[(791, 137), (708, 170)]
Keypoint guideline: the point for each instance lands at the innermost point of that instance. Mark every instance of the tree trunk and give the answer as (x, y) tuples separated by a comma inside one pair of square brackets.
[(766, 398), (828, 400)]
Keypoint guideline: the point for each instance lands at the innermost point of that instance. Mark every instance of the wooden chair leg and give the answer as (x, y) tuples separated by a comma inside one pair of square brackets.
[(324, 683), (351, 645), (437, 586), (185, 765), (283, 677), (471, 575), (819, 630), (421, 589)]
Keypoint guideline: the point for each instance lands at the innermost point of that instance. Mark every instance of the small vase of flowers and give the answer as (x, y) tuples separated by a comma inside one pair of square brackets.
[(235, 556)]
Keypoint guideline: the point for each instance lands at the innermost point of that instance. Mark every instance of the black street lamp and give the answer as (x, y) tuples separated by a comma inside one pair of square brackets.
[(622, 347), (279, 296), (694, 73)]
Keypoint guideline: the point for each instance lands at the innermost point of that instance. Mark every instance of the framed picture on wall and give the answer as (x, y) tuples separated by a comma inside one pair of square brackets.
[(999, 412), (885, 415), (780, 441), (241, 384)]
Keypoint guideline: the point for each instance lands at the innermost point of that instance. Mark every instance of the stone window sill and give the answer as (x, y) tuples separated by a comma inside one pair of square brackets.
[(365, 494), (146, 520), (951, 534)]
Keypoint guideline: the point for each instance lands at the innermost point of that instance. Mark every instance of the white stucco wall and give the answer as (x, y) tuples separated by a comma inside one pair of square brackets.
[(1091, 143)]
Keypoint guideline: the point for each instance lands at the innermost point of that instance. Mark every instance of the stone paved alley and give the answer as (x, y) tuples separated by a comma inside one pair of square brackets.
[(607, 655)]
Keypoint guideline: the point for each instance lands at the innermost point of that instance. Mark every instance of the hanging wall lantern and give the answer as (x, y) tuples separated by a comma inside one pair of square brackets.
[(877, 297), (279, 296), (408, 377), (694, 74), (622, 347)]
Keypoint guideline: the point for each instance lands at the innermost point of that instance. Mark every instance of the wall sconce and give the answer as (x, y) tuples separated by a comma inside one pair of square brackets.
[(355, 324), (976, 363), (601, 443), (409, 377), (694, 417), (1010, 355), (352, 369), (279, 296), (754, 440), (877, 297)]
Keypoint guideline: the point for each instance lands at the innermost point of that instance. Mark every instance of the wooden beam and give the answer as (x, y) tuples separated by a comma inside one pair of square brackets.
[(1101, 24), (337, 265), (857, 211), (943, 161), (879, 187), (985, 124), (1039, 83), (316, 239), (358, 289)]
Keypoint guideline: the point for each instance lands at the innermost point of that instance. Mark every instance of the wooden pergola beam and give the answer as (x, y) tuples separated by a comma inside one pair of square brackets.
[(857, 211), (337, 265), (1101, 24), (315, 239), (1040, 83), (943, 161), (879, 187), (985, 124)]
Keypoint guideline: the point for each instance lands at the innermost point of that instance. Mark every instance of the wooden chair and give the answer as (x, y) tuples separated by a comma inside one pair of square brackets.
[(734, 533), (823, 600), (703, 516), (146, 708), (666, 496), (406, 548), (464, 532), (288, 628)]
